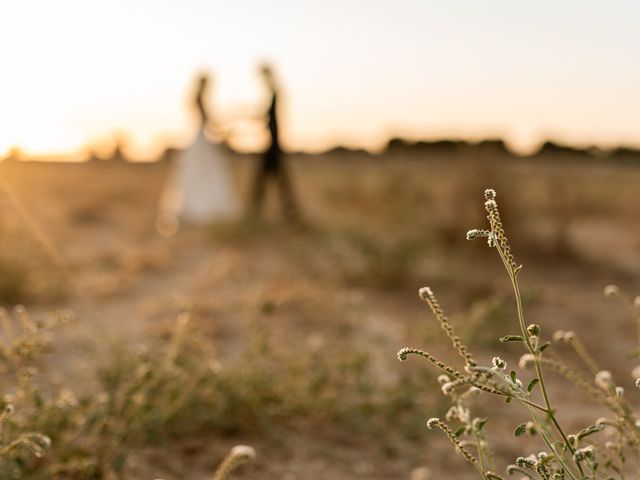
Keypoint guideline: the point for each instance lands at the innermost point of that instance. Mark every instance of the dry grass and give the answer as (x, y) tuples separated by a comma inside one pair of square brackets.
[(292, 330)]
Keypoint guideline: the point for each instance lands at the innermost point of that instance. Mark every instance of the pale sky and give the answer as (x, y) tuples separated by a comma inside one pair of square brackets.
[(354, 72)]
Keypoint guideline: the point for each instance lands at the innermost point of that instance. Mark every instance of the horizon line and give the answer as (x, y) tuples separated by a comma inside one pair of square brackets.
[(87, 153)]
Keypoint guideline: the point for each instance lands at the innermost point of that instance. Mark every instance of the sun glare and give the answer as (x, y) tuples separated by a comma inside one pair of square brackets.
[(77, 73)]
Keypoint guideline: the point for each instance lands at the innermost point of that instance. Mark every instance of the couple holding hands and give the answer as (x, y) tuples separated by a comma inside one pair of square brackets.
[(200, 188)]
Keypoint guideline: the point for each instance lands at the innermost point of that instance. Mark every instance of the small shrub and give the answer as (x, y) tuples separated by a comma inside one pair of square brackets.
[(580, 455), (174, 388)]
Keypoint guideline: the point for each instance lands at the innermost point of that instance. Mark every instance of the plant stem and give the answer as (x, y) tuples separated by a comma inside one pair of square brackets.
[(533, 351), (550, 445)]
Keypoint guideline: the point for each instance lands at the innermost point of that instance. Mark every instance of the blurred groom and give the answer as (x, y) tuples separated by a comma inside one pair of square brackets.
[(272, 167)]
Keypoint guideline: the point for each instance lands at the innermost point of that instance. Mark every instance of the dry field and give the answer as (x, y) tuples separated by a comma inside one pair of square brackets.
[(292, 332)]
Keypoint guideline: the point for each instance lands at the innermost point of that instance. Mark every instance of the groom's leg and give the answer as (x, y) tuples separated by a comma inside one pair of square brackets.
[(258, 188), (286, 192)]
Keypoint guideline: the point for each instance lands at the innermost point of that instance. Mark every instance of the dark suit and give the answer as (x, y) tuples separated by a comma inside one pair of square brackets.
[(272, 166)]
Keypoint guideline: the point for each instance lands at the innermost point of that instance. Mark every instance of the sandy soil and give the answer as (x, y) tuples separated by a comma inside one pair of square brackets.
[(576, 229)]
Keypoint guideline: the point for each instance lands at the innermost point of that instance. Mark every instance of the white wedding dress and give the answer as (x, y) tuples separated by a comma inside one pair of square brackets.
[(199, 189)]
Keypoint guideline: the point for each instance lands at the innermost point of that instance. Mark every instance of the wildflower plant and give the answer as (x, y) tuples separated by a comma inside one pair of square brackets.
[(237, 456), (632, 305), (568, 455), (22, 343)]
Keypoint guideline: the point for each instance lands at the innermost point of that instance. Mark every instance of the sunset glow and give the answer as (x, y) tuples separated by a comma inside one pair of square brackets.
[(355, 72)]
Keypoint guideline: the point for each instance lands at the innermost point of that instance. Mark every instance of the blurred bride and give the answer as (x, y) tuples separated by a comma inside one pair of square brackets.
[(199, 188)]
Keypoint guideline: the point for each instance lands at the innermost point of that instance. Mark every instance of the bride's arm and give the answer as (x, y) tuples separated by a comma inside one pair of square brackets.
[(246, 113), (219, 130)]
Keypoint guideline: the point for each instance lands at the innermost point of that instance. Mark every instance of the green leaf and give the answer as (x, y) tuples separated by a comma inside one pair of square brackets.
[(512, 374), (460, 431), (480, 423), (533, 330), (532, 384), (520, 430), (544, 346), (508, 399), (511, 338), (559, 447)]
